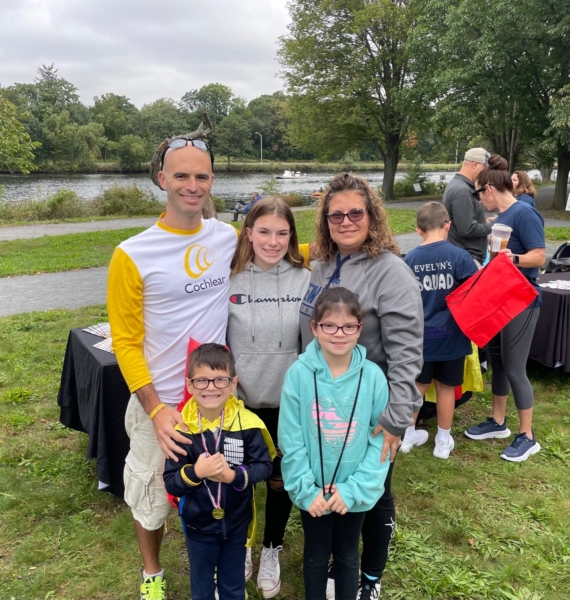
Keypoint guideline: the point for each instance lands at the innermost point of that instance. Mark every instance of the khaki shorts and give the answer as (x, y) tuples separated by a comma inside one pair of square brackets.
[(144, 466)]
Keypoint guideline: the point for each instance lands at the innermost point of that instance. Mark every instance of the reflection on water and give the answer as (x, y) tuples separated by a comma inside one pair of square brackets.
[(229, 186)]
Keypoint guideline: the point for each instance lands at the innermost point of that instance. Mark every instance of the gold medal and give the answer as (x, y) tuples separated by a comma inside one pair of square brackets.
[(218, 513)]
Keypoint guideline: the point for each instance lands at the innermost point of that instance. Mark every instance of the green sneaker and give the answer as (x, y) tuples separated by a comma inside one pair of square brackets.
[(153, 588)]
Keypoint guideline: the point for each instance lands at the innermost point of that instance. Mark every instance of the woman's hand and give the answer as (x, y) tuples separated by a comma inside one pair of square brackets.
[(391, 443), (318, 506)]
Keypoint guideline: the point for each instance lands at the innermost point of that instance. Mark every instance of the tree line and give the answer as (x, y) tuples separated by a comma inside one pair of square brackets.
[(374, 80), (63, 132)]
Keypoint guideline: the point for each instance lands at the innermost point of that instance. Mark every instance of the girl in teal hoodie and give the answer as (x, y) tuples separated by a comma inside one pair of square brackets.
[(331, 467)]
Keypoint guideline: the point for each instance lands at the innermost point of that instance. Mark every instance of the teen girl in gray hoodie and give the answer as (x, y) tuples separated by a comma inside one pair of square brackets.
[(267, 285)]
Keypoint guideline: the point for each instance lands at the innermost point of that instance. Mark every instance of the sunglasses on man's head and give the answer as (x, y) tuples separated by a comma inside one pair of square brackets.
[(183, 142), (354, 215)]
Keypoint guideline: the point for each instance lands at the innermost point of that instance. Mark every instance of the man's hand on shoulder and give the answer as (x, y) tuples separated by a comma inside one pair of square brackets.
[(164, 426), (164, 422)]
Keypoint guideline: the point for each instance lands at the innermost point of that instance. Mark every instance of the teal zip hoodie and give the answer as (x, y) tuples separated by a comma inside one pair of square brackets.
[(360, 478)]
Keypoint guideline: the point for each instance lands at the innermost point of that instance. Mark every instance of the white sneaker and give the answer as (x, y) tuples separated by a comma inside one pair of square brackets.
[(248, 565), (269, 576), (330, 589), (419, 438), (443, 449)]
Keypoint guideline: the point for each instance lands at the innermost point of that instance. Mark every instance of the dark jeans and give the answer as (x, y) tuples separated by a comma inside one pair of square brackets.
[(377, 532), (337, 535), (278, 504), (208, 551)]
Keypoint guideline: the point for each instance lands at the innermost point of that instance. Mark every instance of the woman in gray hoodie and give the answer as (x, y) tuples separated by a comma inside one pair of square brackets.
[(267, 285), (356, 250)]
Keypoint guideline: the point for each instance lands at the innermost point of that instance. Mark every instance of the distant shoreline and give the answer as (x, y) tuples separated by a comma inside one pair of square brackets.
[(272, 167)]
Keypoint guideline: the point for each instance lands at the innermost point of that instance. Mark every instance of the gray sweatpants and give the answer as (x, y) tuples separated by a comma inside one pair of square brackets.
[(509, 352)]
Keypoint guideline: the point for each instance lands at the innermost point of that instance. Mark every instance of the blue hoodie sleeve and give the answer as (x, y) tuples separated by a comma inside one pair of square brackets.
[(366, 484), (298, 476)]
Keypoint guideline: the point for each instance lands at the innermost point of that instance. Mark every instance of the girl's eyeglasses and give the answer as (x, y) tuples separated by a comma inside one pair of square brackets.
[(220, 383), (354, 215), (331, 329)]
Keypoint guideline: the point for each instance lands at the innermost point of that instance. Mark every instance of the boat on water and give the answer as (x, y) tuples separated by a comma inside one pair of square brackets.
[(291, 175)]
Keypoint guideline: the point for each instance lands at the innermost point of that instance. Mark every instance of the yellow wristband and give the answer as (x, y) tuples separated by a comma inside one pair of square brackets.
[(158, 408)]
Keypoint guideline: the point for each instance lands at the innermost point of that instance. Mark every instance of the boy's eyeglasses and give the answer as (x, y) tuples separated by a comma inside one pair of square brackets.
[(477, 192), (183, 142), (220, 383), (354, 215), (331, 329)]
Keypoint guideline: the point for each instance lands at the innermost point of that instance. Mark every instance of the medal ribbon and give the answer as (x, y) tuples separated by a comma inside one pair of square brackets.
[(216, 502)]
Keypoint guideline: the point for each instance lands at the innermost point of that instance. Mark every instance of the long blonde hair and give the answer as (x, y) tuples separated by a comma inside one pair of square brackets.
[(380, 236), (272, 205)]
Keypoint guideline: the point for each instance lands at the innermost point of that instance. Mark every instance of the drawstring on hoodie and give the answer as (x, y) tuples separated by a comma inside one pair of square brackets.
[(278, 303), (252, 304), (279, 300)]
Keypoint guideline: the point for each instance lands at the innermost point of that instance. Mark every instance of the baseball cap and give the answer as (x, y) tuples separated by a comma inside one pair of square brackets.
[(479, 155)]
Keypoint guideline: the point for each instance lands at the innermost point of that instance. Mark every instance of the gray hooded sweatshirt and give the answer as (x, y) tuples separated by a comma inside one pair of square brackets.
[(393, 324), (263, 329)]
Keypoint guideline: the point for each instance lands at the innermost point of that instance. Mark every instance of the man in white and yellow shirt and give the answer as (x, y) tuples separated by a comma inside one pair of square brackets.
[(166, 285)]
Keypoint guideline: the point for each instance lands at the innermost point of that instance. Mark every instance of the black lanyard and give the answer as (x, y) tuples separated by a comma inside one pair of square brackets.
[(335, 277), (345, 439)]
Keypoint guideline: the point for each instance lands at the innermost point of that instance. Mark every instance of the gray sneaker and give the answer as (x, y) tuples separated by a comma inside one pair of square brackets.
[(521, 448), (489, 429)]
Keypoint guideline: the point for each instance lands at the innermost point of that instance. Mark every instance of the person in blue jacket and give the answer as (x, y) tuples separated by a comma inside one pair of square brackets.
[(330, 402), (228, 451)]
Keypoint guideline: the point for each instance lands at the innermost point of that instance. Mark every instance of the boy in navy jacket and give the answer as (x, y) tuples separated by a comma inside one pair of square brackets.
[(228, 450)]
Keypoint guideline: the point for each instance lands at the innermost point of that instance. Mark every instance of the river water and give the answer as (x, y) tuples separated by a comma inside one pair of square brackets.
[(229, 186)]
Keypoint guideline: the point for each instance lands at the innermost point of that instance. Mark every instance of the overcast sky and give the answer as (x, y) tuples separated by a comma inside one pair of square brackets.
[(144, 49)]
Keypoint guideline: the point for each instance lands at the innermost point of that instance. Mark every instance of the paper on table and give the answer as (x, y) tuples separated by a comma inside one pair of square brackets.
[(558, 284), (105, 345), (101, 329)]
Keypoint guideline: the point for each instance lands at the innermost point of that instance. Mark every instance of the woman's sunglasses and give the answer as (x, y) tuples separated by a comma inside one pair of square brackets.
[(354, 215)]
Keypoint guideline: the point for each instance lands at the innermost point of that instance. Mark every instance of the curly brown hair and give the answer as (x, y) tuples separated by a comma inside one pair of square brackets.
[(271, 205), (525, 185), (380, 236)]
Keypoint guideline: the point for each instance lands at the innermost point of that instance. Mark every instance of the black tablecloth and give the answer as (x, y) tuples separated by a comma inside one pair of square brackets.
[(551, 341), (93, 397)]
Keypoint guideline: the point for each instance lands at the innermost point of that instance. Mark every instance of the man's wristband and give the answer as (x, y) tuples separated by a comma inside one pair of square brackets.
[(157, 409)]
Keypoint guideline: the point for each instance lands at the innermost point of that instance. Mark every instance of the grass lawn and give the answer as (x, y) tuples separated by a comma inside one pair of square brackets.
[(473, 527), (557, 233), (84, 250)]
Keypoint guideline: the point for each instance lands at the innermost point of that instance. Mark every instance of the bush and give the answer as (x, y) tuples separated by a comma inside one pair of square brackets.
[(293, 200), (127, 200), (65, 204), (219, 204)]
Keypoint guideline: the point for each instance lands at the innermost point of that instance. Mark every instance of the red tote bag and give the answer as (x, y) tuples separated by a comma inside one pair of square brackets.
[(490, 299)]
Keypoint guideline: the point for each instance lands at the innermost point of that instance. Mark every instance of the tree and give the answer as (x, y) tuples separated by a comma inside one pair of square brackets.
[(116, 113), (216, 98), (498, 79), (49, 96), (159, 120), (132, 151), (347, 64), (270, 116), (73, 143), (16, 146), (232, 138)]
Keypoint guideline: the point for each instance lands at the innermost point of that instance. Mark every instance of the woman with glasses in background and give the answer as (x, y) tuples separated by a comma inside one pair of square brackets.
[(357, 250)]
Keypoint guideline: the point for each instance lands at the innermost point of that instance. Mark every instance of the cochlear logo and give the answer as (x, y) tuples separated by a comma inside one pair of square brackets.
[(198, 260)]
